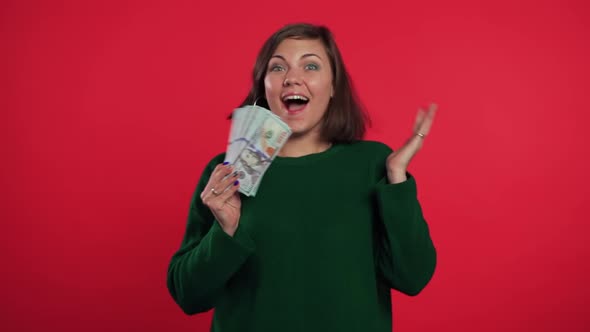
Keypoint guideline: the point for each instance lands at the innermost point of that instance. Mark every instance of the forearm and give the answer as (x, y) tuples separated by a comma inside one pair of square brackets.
[(198, 274), (411, 258), (396, 176)]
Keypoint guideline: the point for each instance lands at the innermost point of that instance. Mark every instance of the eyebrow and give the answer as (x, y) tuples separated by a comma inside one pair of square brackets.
[(306, 55)]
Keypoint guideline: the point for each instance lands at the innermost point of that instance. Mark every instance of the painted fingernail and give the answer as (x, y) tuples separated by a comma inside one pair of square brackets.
[(225, 163), (236, 183)]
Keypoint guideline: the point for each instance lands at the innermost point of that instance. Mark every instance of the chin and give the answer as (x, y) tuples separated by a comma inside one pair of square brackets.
[(301, 131), (296, 131)]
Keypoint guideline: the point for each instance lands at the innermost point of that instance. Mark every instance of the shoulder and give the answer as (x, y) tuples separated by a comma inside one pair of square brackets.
[(216, 159), (205, 174), (370, 155), (366, 153), (211, 164), (367, 148)]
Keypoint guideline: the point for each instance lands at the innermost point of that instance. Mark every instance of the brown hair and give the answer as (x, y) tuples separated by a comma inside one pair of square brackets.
[(345, 120)]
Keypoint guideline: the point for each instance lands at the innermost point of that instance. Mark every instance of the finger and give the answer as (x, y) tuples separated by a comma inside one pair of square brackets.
[(226, 182), (218, 202), (428, 119), (419, 118), (217, 189), (219, 172)]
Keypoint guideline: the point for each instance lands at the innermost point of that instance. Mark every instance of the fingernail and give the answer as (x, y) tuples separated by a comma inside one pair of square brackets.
[(236, 183), (225, 163), (234, 173)]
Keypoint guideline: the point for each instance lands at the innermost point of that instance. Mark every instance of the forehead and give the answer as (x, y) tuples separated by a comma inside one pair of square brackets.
[(295, 48)]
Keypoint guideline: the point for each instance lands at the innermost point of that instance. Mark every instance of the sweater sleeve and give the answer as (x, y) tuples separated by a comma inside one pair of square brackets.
[(407, 258), (207, 258), (405, 254)]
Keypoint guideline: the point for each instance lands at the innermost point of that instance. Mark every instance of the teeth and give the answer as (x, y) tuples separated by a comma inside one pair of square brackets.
[(295, 97)]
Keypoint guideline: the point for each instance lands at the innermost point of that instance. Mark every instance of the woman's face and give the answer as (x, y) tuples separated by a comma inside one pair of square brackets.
[(298, 84)]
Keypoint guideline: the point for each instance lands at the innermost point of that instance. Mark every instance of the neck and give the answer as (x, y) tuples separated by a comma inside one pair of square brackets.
[(298, 146)]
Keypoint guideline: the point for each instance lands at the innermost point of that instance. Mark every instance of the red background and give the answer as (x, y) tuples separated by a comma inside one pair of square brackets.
[(110, 110)]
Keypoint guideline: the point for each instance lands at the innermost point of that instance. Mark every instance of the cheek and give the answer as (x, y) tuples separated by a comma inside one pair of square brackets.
[(273, 94), (270, 86), (321, 88)]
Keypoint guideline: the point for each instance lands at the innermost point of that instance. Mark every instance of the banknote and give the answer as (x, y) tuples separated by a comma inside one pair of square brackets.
[(255, 141), (234, 145), (243, 127)]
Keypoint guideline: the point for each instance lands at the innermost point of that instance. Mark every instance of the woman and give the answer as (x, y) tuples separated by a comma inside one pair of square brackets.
[(335, 224)]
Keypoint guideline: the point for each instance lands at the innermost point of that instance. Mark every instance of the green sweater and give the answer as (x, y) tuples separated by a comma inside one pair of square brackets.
[(317, 249)]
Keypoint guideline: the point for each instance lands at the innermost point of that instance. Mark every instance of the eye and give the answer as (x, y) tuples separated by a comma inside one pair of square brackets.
[(276, 67), (312, 66)]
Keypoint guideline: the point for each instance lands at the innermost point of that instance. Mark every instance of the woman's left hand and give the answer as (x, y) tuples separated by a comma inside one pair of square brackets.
[(398, 161)]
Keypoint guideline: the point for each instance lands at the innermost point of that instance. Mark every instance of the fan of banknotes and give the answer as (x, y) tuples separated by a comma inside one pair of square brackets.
[(255, 138)]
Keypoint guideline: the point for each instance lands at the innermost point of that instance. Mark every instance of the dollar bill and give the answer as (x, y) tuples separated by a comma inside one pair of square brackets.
[(262, 137), (241, 130), (234, 146)]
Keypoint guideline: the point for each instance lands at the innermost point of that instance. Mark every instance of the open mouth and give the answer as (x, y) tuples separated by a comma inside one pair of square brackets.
[(294, 103)]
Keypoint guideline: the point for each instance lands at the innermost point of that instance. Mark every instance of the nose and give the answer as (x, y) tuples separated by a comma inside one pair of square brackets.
[(292, 78)]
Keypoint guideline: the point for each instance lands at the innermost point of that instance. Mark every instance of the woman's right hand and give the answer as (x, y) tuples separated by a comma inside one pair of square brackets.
[(222, 198)]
